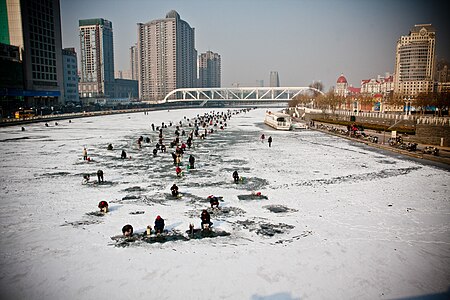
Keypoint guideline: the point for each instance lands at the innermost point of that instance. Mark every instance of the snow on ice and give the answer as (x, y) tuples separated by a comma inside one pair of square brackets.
[(335, 219)]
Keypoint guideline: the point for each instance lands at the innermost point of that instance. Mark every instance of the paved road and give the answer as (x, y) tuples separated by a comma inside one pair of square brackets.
[(444, 152)]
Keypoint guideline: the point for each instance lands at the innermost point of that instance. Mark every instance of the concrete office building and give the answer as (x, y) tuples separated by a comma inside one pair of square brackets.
[(35, 28), (415, 61), (70, 72), (209, 67), (134, 62), (97, 58), (167, 56), (274, 79)]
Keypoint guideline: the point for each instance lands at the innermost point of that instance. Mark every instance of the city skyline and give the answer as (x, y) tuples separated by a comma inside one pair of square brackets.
[(302, 40)]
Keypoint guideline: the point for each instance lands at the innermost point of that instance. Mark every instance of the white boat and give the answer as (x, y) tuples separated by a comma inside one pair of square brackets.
[(277, 120)]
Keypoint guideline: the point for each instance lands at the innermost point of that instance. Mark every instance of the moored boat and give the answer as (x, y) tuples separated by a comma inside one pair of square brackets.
[(277, 120)]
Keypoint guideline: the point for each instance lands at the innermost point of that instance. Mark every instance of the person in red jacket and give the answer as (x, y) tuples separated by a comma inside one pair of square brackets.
[(178, 171)]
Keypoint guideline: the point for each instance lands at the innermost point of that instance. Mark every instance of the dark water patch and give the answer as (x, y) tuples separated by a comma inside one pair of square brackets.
[(198, 234), (264, 228), (386, 162), (15, 139), (354, 178), (279, 209), (55, 174), (82, 223), (130, 197), (252, 197), (134, 189), (219, 213), (95, 214)]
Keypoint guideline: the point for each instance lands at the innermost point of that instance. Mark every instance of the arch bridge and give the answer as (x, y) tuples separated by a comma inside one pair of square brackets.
[(266, 94)]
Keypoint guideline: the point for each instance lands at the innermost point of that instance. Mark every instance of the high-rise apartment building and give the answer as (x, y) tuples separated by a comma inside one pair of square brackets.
[(209, 65), (35, 28), (97, 58), (134, 62), (414, 61), (274, 79), (167, 56), (70, 71)]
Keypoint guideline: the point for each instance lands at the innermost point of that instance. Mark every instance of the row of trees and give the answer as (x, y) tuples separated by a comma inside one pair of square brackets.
[(423, 102)]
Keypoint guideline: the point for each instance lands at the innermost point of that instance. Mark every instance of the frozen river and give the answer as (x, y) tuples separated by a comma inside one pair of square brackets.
[(342, 220)]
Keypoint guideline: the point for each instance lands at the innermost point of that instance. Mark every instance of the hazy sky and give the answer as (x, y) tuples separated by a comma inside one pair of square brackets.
[(302, 40)]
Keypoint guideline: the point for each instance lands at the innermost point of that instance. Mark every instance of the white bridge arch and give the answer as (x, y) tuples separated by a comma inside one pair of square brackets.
[(238, 94)]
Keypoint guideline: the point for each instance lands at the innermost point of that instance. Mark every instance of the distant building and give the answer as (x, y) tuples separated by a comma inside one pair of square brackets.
[(260, 83), (126, 89), (209, 67), (274, 79), (97, 58), (341, 88), (380, 85), (11, 79), (414, 61), (442, 76), (70, 75), (167, 56), (134, 62), (35, 28)]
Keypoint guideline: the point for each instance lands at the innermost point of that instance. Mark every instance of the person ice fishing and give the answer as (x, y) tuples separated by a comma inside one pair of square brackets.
[(174, 190), (179, 171), (123, 155), (85, 154), (110, 147), (103, 205), (269, 140), (100, 176), (236, 177), (127, 230), (214, 201), (155, 152), (206, 220), (159, 225), (262, 138), (86, 178), (191, 162)]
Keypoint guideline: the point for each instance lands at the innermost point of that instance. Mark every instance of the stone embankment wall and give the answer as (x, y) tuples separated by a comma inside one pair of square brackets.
[(425, 132), (432, 134)]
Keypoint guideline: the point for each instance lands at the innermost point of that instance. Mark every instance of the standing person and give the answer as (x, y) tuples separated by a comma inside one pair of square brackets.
[(236, 177), (100, 176), (262, 138), (206, 219), (159, 225), (270, 141), (153, 127), (123, 155), (191, 162), (85, 154)]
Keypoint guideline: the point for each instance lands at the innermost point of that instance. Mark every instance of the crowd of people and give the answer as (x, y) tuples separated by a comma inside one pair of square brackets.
[(186, 132)]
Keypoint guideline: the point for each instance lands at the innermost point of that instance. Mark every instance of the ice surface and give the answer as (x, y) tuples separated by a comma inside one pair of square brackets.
[(341, 220)]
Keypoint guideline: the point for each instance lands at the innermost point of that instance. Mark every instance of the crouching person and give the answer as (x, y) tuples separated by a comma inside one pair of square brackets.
[(103, 205), (159, 225), (206, 220), (127, 230)]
